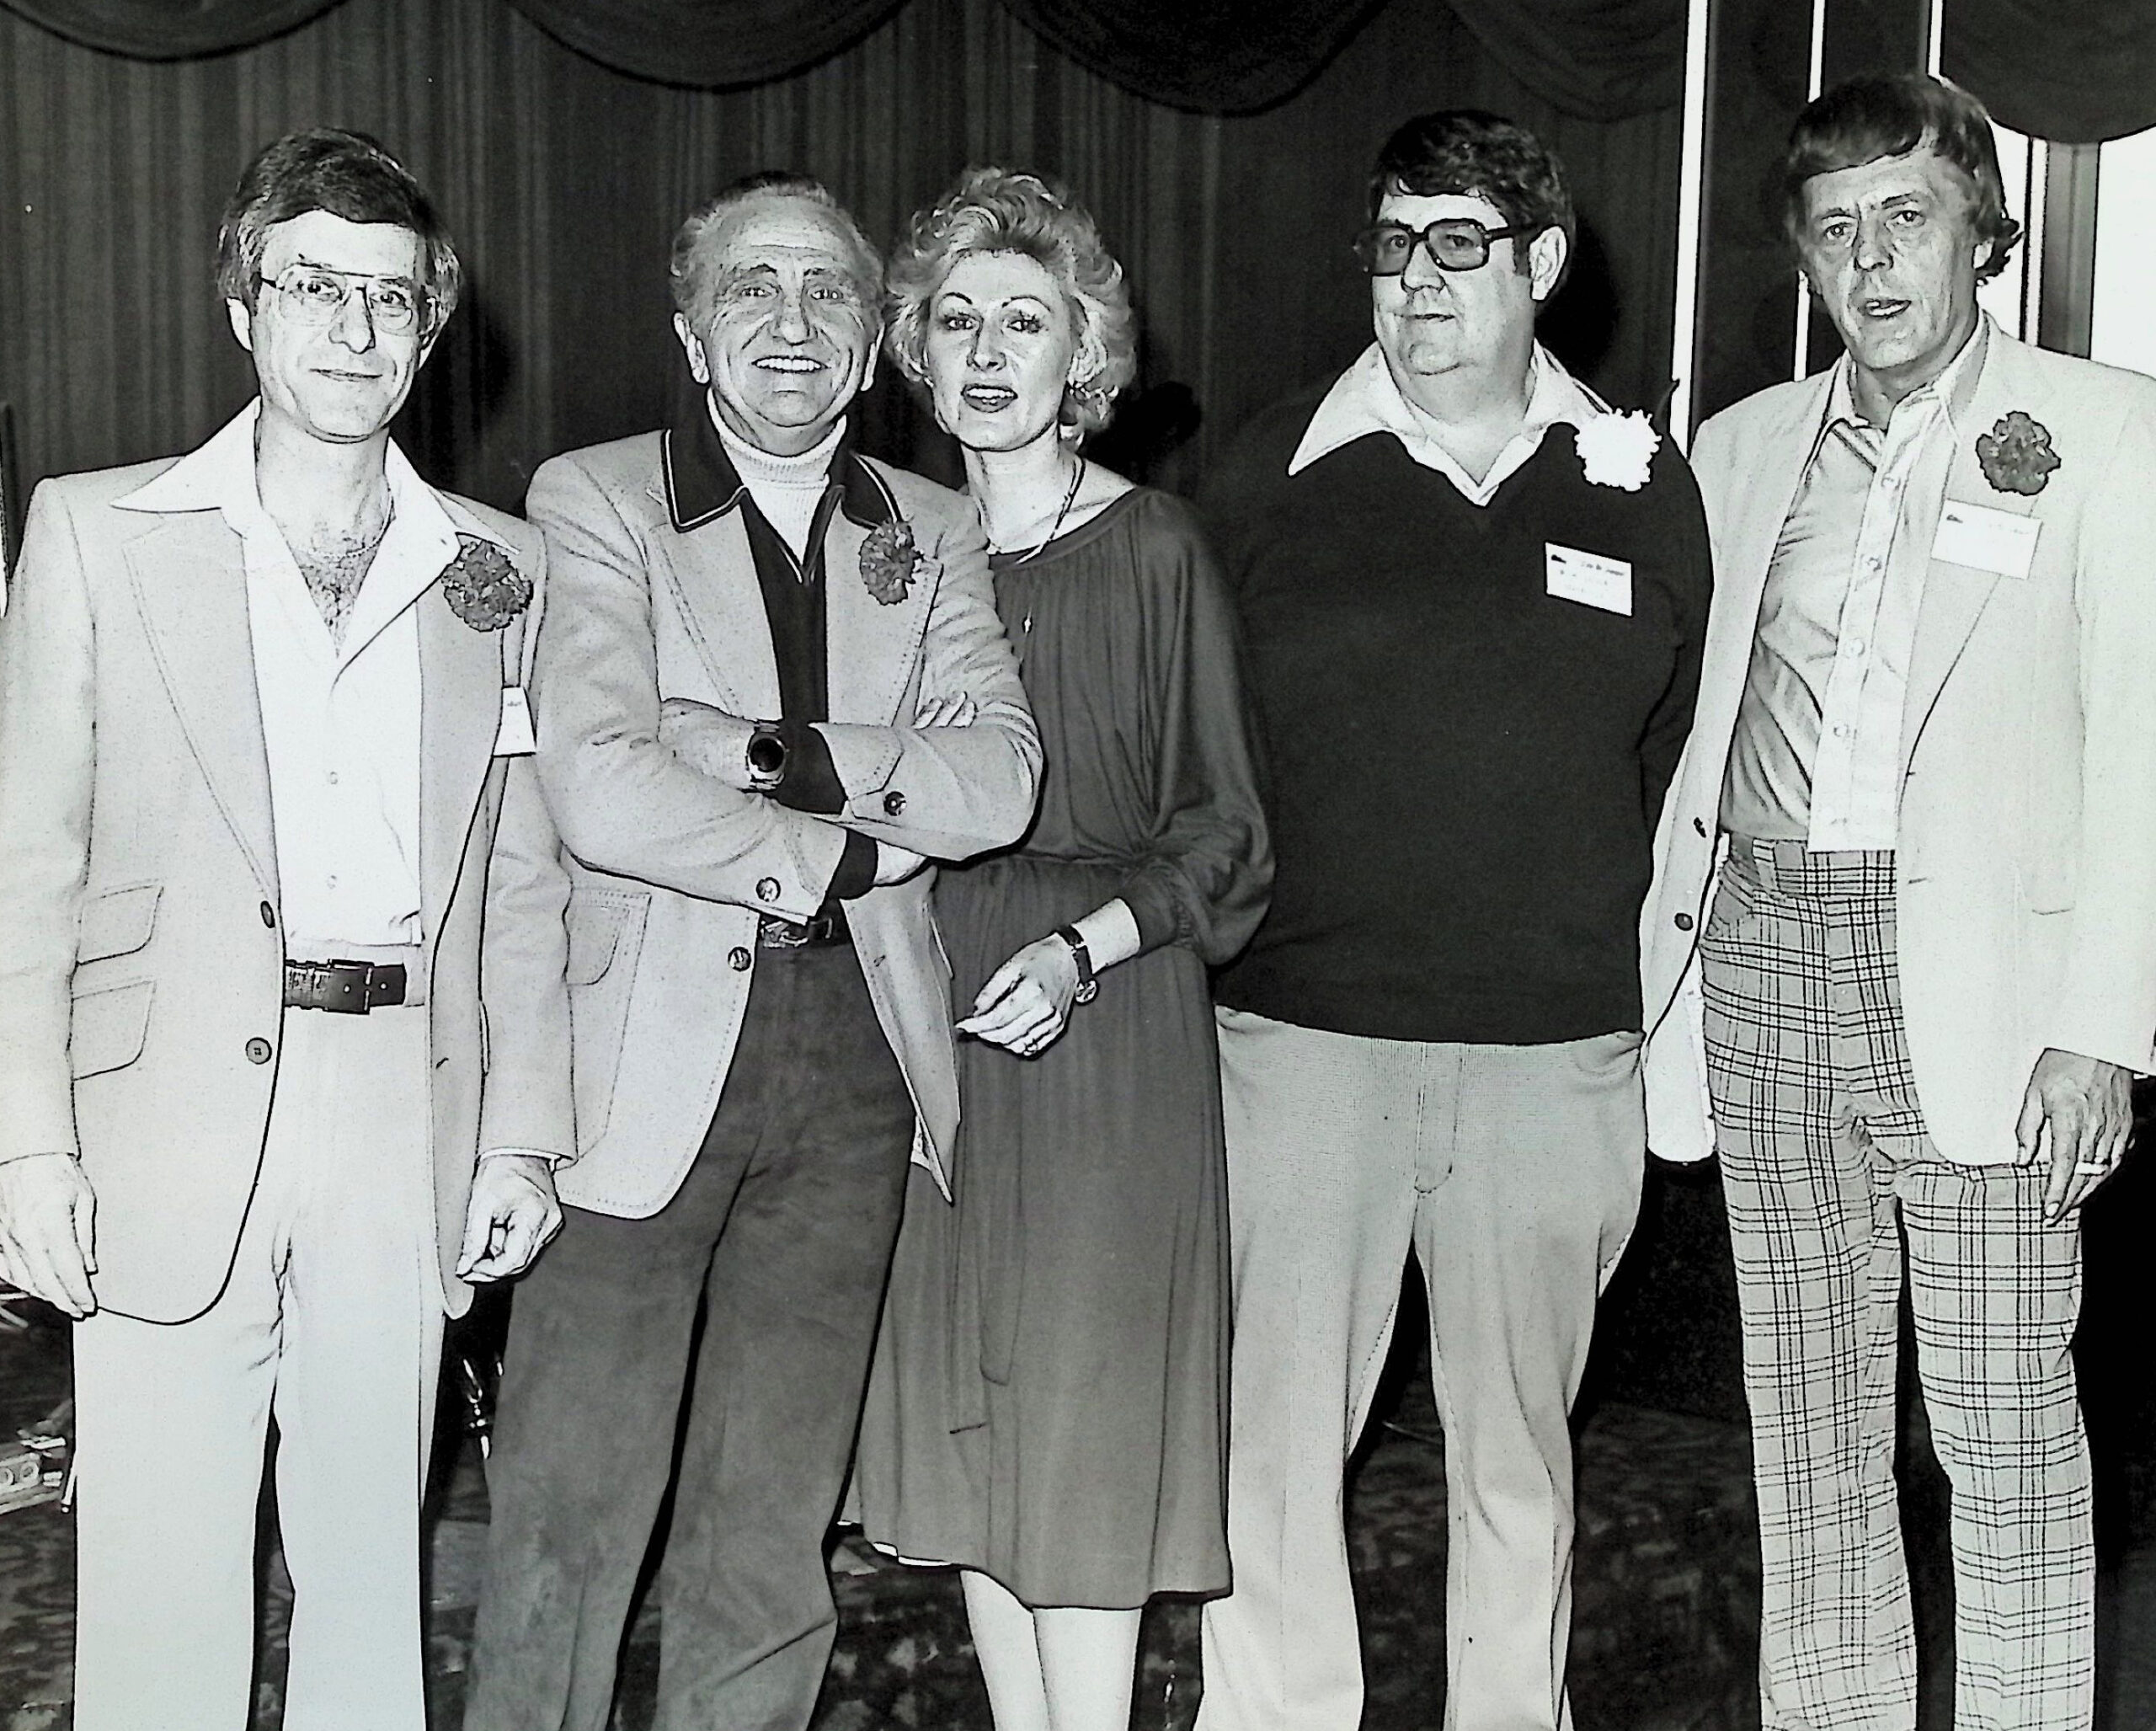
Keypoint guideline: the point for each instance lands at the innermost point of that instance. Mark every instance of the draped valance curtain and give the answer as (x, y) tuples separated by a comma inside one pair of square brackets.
[(1598, 59), (2076, 74)]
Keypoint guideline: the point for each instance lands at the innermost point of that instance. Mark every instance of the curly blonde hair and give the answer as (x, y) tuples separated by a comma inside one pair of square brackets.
[(994, 211)]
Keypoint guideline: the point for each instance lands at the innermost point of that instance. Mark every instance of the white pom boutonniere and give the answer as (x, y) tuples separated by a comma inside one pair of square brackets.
[(1617, 449)]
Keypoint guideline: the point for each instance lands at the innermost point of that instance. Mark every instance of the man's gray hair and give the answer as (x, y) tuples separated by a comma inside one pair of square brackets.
[(688, 271)]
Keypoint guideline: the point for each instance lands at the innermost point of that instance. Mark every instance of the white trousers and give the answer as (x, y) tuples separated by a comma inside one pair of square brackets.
[(1513, 1172), (331, 1324)]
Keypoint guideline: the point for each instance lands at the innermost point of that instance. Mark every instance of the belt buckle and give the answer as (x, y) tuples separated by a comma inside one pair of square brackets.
[(774, 933)]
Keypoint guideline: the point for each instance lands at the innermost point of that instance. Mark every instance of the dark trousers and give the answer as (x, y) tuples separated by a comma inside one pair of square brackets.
[(783, 1230)]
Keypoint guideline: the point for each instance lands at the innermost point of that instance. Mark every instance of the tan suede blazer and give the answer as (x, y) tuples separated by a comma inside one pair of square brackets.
[(141, 944), (2025, 871), (655, 595)]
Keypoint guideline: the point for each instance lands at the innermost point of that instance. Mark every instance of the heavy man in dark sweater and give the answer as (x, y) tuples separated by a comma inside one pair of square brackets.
[(1474, 598)]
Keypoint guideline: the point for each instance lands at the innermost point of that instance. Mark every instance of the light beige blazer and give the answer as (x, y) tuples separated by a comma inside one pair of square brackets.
[(141, 944), (2026, 870), (654, 594)]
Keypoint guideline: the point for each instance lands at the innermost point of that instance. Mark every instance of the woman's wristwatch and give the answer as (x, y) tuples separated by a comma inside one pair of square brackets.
[(1089, 985)]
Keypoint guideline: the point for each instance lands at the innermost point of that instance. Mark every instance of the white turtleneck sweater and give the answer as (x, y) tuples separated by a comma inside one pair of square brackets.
[(786, 489)]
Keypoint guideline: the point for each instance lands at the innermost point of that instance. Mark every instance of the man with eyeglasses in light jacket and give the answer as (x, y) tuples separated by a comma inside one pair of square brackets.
[(262, 724), (1473, 640)]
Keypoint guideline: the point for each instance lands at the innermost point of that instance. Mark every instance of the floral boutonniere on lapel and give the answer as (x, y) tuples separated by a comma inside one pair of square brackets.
[(482, 586), (891, 561), (1618, 450), (2017, 455)]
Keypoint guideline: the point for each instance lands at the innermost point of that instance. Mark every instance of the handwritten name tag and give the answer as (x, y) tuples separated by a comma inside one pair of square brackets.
[(1587, 577), (1987, 540), (514, 737)]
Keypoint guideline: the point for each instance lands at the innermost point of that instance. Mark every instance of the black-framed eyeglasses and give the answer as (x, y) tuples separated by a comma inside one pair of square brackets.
[(316, 294), (1453, 243)]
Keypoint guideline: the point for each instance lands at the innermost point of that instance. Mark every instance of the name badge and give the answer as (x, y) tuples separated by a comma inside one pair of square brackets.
[(1587, 577), (514, 737), (1987, 540)]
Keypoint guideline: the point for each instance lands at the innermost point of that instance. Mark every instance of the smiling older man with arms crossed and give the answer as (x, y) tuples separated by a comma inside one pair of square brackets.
[(261, 710), (757, 629), (1927, 728)]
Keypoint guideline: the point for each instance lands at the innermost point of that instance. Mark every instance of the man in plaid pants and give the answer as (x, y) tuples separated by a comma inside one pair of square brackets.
[(1913, 994)]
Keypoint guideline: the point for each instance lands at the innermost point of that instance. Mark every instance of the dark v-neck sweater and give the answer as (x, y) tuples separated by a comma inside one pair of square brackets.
[(1465, 770)]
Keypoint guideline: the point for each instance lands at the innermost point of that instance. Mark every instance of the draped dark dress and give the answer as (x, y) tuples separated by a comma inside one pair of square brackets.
[(1048, 1399)]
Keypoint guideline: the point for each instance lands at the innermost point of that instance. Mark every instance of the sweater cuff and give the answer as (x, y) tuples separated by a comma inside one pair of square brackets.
[(811, 783), (857, 871)]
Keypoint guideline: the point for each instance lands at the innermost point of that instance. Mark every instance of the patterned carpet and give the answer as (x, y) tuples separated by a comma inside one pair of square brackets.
[(1666, 1598)]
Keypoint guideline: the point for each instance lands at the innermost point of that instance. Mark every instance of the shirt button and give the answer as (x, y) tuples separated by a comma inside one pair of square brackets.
[(767, 889), (1871, 562), (894, 802), (258, 1051), (1841, 729), (1683, 922), (1857, 646), (332, 880), (269, 916), (333, 777), (737, 959)]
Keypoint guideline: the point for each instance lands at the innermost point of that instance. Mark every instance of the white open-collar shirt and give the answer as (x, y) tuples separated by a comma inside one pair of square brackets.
[(340, 725), (1365, 399)]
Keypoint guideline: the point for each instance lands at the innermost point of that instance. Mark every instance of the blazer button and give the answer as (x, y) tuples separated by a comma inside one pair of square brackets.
[(767, 889), (737, 959), (894, 802), (1683, 922), (258, 1051), (268, 916)]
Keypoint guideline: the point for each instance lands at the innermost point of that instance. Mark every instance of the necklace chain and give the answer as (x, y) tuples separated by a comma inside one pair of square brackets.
[(1062, 511)]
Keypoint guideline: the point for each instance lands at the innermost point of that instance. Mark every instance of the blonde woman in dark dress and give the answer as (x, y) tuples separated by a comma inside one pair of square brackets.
[(1047, 1406)]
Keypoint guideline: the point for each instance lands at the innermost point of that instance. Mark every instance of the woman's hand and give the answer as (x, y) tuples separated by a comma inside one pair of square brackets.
[(1026, 1002), (956, 709)]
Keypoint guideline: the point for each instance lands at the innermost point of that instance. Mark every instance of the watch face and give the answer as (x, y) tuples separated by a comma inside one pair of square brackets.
[(766, 753)]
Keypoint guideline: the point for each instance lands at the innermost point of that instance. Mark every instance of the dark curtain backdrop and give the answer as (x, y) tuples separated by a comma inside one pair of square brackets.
[(563, 181), (2077, 74)]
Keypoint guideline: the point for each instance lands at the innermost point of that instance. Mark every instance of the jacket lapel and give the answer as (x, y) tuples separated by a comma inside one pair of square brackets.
[(873, 644), (710, 580), (189, 578), (1769, 470), (1954, 595), (461, 677)]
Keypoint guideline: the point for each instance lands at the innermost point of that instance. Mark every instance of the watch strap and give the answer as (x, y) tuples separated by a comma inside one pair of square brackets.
[(1089, 985)]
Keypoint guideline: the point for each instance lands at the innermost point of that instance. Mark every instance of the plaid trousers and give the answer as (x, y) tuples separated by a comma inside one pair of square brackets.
[(1828, 1174)]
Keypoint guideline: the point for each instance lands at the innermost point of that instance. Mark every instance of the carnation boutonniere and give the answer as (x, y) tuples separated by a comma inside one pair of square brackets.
[(2017, 455), (1617, 449), (482, 586), (890, 561)]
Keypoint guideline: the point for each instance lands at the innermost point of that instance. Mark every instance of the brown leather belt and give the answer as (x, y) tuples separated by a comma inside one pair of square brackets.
[(344, 988), (817, 932)]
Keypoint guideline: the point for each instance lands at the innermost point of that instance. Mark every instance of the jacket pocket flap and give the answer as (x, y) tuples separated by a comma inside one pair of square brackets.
[(595, 925), (107, 1028), (117, 923)]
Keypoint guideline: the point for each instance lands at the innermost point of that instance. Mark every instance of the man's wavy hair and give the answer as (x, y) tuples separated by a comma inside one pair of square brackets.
[(1482, 155), (689, 268), (994, 211), (1870, 117), (348, 174)]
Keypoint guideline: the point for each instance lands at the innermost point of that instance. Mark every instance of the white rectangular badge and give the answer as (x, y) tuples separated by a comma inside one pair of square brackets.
[(514, 737), (1587, 577), (1989, 540)]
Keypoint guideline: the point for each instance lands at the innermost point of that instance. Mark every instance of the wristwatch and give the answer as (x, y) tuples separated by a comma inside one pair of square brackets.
[(1089, 985), (765, 758)]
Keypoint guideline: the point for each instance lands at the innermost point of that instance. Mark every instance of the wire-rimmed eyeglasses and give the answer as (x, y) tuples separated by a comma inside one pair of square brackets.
[(316, 295), (1453, 243)]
